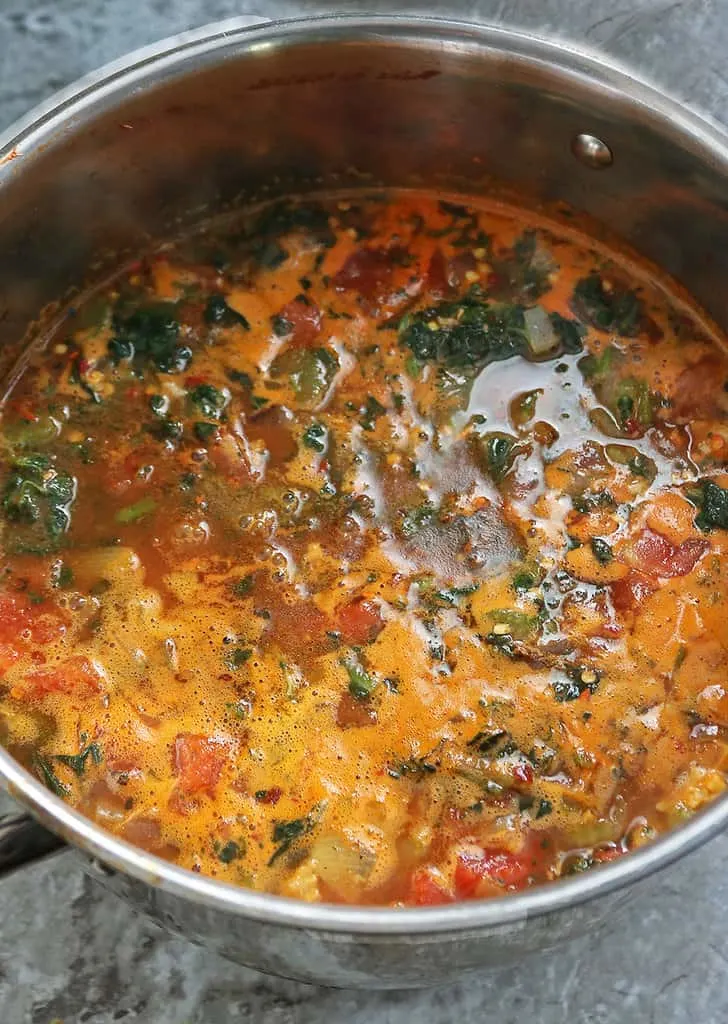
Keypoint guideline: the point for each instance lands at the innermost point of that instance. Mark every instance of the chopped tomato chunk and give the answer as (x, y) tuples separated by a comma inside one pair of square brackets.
[(655, 554), (305, 320), (359, 622), (607, 853), (631, 591), (76, 675), (474, 865), (46, 629), (14, 616), (428, 890), (369, 272), (198, 763), (8, 656), (438, 280)]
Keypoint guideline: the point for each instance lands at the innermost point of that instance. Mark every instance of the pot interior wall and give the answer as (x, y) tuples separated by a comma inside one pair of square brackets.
[(205, 130)]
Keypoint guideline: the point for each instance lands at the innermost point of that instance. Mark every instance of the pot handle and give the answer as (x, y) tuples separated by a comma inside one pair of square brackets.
[(23, 840)]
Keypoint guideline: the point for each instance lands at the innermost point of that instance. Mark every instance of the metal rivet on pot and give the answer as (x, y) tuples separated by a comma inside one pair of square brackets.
[(591, 151)]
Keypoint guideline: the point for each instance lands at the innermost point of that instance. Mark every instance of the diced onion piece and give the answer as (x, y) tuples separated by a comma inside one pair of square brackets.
[(541, 334)]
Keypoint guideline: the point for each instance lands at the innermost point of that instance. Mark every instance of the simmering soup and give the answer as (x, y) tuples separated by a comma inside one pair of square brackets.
[(371, 549)]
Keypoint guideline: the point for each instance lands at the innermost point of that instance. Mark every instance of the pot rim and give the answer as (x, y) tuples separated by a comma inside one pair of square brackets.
[(169, 58)]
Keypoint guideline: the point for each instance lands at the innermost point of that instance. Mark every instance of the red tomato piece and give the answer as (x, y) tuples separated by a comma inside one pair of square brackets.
[(523, 772), (607, 853), (14, 616), (198, 763), (300, 629), (629, 593), (354, 713), (8, 656), (369, 271), (474, 865), (427, 890), (46, 629), (359, 622), (656, 556), (305, 321), (698, 393), (76, 676), (437, 279)]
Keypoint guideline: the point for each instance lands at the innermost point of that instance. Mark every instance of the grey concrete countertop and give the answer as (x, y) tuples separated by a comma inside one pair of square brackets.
[(71, 953)]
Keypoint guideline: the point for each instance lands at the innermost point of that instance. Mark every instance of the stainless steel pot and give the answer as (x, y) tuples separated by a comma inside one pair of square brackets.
[(203, 122)]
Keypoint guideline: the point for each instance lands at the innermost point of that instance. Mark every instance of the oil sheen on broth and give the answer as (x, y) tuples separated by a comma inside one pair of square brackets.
[(371, 550)]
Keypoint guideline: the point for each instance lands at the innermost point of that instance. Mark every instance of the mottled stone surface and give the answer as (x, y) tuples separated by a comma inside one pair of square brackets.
[(70, 952)]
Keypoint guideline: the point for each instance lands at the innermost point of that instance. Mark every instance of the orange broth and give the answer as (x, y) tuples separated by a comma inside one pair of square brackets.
[(372, 549)]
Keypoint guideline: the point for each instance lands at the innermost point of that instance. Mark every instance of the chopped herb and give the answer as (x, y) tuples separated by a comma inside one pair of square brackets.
[(586, 502), (417, 519), (204, 431), (229, 852), (468, 333), (524, 581), (48, 777), (169, 430), (285, 833), (486, 742), (680, 657), (566, 690), (445, 597), (414, 767), (61, 575), (712, 502), (281, 326), (497, 453), (218, 313), (240, 708), (601, 550), (140, 509), (315, 437), (370, 412), (243, 586), (150, 334), (611, 307), (158, 404), (209, 400), (502, 642), (634, 403), (39, 496), (523, 407), (413, 367), (544, 807), (77, 762), (642, 466), (600, 366), (569, 332), (361, 683), (576, 864), (237, 657), (580, 678), (513, 623)]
